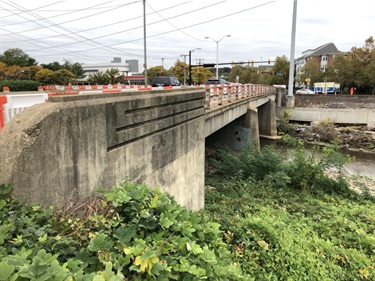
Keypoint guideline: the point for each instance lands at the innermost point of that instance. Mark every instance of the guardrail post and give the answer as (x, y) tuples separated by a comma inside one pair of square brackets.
[(3, 100), (243, 87), (207, 98), (221, 91)]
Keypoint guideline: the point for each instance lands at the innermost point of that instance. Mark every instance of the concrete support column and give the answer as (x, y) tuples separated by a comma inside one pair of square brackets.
[(290, 101), (251, 121), (267, 120), (281, 93)]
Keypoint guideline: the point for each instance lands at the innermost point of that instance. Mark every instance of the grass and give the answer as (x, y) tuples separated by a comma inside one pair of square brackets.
[(282, 232)]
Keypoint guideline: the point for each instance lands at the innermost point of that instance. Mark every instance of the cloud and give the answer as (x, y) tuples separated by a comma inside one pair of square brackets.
[(97, 31)]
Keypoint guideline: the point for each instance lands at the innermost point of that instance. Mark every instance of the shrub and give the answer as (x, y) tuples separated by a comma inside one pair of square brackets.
[(137, 234), (284, 127), (20, 85), (326, 130), (249, 163), (296, 223)]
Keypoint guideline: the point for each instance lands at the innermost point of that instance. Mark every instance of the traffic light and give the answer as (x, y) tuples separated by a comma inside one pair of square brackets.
[(269, 61), (208, 65), (252, 62)]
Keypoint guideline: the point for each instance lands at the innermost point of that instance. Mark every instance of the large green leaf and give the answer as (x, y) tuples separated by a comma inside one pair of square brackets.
[(5, 188), (125, 234), (165, 222), (100, 242), (6, 271)]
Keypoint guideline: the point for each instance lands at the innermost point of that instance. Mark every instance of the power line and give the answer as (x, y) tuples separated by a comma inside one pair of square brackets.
[(171, 31), (55, 24), (110, 46), (14, 14), (15, 5), (178, 29), (85, 41), (68, 11), (100, 27)]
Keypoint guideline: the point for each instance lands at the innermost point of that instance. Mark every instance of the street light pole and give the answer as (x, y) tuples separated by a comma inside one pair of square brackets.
[(292, 50), (144, 41), (184, 68), (190, 64), (217, 52)]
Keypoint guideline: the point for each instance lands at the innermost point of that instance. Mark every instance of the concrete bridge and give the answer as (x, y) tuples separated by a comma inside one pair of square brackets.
[(66, 148)]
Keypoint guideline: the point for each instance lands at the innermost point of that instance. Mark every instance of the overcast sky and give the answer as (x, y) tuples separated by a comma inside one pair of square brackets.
[(93, 31)]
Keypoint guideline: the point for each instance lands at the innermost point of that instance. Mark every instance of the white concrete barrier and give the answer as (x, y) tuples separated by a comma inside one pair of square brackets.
[(14, 104)]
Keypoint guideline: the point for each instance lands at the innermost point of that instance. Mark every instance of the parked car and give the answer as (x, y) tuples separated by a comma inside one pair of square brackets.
[(305, 92), (159, 81), (214, 81)]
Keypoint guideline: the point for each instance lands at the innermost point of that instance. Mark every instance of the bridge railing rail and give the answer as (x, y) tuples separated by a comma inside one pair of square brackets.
[(221, 94), (12, 104)]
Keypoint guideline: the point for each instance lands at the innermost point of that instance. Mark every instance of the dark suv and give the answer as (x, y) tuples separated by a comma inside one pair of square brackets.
[(164, 81)]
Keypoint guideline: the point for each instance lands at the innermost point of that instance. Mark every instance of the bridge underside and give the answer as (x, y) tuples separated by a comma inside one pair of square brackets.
[(243, 123)]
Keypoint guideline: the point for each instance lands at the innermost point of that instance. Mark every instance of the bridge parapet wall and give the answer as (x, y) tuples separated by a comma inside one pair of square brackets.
[(65, 149), (344, 109)]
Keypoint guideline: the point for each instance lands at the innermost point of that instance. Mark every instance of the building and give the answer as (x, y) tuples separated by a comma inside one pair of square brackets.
[(133, 66), (127, 68), (89, 68), (324, 55)]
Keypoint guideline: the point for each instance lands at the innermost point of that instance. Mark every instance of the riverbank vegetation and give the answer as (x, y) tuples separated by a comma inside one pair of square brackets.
[(267, 217), (292, 219)]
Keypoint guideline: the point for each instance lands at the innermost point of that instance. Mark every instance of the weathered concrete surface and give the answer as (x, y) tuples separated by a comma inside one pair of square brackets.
[(341, 109), (336, 115), (67, 148), (335, 101), (267, 118)]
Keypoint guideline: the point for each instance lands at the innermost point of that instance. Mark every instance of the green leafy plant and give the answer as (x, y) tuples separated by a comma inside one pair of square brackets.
[(310, 227), (20, 85), (268, 216), (136, 233)]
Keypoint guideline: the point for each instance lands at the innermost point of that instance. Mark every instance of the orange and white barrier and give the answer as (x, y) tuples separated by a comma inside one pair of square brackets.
[(11, 105), (3, 101), (127, 88)]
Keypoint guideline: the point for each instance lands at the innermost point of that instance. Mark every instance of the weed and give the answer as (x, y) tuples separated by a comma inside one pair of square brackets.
[(296, 223)]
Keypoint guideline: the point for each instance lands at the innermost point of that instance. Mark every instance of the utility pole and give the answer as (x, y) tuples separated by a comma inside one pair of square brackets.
[(190, 68), (144, 41), (292, 50), (200, 61), (184, 68), (162, 62), (190, 81)]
